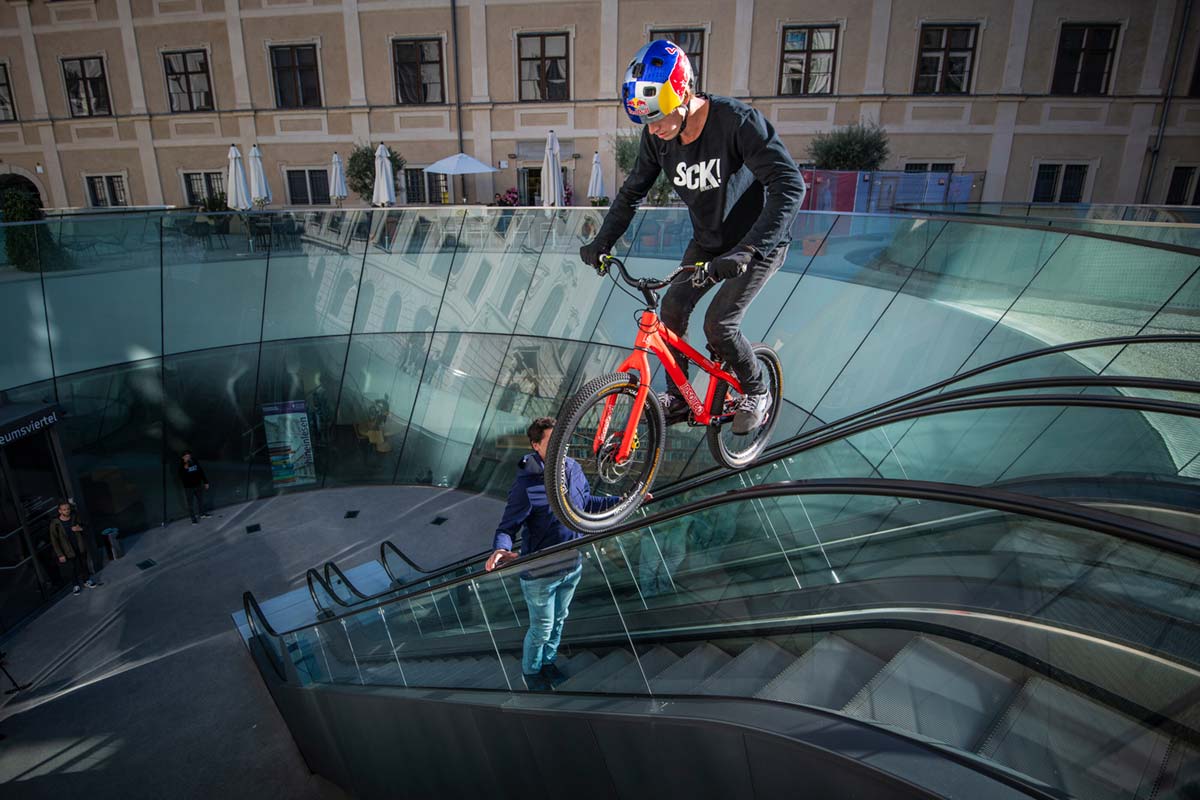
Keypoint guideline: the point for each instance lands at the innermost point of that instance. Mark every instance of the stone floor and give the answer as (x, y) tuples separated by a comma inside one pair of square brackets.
[(142, 687)]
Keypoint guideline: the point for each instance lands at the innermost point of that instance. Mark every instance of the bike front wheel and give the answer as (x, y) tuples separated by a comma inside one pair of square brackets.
[(613, 490), (737, 451)]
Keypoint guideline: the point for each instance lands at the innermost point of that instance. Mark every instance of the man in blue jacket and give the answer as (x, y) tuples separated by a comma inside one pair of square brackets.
[(548, 586)]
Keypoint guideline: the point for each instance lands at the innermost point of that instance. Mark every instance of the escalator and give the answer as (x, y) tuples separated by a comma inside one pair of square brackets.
[(852, 446), (856, 637)]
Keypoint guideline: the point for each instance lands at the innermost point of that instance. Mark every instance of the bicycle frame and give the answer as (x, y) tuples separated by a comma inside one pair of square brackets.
[(654, 337)]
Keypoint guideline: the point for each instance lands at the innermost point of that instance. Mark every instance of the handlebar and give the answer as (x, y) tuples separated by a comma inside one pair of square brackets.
[(644, 284)]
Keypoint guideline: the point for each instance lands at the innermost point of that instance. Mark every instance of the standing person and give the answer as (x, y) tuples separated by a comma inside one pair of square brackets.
[(742, 190), (70, 545), (549, 586), (195, 484)]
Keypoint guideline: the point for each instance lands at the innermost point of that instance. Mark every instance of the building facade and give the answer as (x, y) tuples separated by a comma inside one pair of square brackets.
[(130, 102)]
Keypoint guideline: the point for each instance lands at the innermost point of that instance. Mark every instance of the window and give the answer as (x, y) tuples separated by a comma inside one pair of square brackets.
[(692, 42), (188, 84), (425, 188), (1184, 189), (297, 81), (946, 59), (203, 185), (935, 166), (1085, 58), (1060, 183), (543, 67), (8, 111), (808, 59), (87, 88), (106, 190), (418, 71), (308, 187), (1195, 90)]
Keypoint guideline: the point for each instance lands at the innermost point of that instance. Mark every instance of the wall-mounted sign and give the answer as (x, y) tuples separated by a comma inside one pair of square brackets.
[(289, 443), (25, 419)]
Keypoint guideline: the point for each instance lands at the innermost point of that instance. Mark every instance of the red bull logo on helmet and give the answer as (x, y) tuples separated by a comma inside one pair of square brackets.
[(637, 105)]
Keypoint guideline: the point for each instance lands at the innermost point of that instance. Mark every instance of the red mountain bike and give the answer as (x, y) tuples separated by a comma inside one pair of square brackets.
[(615, 428)]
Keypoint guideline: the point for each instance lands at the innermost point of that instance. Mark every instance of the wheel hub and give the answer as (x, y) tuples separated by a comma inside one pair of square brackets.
[(612, 471)]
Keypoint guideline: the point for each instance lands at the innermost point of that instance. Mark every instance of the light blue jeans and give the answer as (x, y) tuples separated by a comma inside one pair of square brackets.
[(547, 601)]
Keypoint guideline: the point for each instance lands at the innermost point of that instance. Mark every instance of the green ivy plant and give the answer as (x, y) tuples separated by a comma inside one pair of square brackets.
[(360, 170), (21, 241), (855, 148)]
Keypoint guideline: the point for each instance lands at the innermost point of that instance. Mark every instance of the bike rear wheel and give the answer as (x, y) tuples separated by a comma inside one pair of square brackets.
[(574, 437), (737, 451)]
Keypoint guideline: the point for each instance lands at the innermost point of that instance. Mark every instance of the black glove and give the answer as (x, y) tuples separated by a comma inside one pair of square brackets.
[(731, 265), (590, 254)]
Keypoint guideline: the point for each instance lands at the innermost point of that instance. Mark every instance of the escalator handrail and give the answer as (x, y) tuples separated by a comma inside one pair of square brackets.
[(256, 619), (311, 578), (957, 400), (779, 450), (331, 567), (1117, 525), (387, 545)]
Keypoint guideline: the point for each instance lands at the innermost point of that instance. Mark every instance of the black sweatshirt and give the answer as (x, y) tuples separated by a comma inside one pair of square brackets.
[(192, 474), (723, 177)]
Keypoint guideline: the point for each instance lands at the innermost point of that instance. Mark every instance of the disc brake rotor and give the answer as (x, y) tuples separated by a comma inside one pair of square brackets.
[(606, 460)]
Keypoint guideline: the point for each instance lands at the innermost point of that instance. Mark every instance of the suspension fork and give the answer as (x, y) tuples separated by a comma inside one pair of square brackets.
[(638, 363)]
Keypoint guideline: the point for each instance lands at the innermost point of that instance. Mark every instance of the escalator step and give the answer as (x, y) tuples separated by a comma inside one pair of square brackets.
[(828, 675), (752, 670), (687, 673), (573, 665), (1074, 743), (631, 679), (933, 691), (589, 678), (490, 675)]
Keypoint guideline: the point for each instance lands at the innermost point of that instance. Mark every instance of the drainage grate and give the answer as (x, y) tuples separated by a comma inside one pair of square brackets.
[(147, 564), (255, 528), (439, 520), (351, 514)]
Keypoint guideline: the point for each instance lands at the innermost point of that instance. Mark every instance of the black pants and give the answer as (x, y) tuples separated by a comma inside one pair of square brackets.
[(723, 321), (195, 500), (77, 567)]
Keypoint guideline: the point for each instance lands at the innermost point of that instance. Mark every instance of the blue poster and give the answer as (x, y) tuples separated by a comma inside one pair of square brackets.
[(289, 443)]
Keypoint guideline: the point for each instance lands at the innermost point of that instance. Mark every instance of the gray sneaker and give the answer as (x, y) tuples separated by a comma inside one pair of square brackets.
[(751, 411), (674, 407)]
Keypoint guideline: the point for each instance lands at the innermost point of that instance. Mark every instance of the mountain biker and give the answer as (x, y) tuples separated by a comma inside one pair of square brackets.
[(742, 190)]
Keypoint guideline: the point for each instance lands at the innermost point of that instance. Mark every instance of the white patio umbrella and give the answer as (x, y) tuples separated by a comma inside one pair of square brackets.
[(260, 190), (237, 194), (552, 182), (385, 179), (337, 181), (596, 184), (459, 164)]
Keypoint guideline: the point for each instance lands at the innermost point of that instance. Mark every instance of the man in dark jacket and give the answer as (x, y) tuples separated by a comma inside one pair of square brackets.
[(548, 587), (742, 190), (195, 483), (70, 545)]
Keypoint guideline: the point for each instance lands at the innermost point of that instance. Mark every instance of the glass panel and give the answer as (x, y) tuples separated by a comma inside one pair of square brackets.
[(113, 435), (103, 275), (408, 260), (534, 381), (1044, 189), (22, 313), (296, 404), (312, 284), (824, 38), (382, 375), (557, 46), (456, 388), (212, 288), (795, 38), (208, 406), (482, 250), (1074, 177), (531, 46), (1089, 288)]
